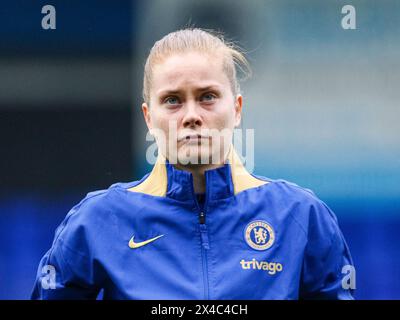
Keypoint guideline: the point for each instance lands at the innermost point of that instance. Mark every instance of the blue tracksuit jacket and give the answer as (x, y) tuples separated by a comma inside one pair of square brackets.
[(253, 238)]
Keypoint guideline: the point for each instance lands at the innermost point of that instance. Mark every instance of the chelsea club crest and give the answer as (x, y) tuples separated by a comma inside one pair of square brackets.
[(259, 235)]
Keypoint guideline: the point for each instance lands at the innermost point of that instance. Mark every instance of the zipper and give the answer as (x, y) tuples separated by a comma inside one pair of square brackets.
[(205, 245)]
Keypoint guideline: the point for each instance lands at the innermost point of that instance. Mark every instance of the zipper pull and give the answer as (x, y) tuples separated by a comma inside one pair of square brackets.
[(204, 236), (202, 218)]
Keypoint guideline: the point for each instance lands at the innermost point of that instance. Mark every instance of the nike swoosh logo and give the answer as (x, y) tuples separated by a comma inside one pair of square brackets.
[(134, 245)]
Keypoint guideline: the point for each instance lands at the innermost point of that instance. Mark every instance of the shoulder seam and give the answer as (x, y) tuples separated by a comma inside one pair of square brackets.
[(309, 191)]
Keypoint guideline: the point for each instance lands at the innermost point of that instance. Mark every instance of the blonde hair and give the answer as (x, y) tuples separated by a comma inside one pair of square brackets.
[(199, 40)]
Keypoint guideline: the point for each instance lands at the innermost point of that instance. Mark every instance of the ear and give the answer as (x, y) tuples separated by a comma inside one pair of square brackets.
[(146, 115), (238, 109)]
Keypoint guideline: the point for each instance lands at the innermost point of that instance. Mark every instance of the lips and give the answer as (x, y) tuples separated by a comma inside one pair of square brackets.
[(194, 140), (192, 137)]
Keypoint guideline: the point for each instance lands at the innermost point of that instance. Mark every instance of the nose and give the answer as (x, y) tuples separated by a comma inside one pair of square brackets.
[(192, 118)]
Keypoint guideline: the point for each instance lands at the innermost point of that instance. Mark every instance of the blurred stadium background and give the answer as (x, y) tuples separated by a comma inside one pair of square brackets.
[(324, 103)]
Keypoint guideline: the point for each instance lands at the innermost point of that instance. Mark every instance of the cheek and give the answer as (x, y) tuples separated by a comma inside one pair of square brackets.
[(162, 124), (166, 123), (225, 118), (160, 119)]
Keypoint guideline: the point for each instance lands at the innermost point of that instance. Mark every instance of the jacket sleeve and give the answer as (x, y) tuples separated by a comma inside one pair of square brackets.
[(66, 270), (327, 271)]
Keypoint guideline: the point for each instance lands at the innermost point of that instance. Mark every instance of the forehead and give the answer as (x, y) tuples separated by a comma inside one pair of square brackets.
[(180, 71)]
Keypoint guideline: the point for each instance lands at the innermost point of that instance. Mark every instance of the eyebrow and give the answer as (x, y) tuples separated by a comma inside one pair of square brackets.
[(172, 91)]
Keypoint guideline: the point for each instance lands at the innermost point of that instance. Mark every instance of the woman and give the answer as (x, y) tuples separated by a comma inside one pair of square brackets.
[(198, 226)]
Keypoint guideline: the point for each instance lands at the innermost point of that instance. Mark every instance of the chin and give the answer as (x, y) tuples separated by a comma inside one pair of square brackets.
[(194, 155)]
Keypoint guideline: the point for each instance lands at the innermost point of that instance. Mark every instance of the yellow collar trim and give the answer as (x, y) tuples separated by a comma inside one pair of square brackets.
[(241, 178), (156, 183)]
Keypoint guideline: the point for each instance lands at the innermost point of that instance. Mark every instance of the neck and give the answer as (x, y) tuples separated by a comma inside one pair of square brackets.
[(198, 173)]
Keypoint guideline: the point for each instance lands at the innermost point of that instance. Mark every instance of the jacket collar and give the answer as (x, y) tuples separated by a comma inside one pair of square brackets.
[(167, 181)]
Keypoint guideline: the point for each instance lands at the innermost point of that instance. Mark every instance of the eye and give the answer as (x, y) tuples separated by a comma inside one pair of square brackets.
[(171, 100), (208, 97)]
